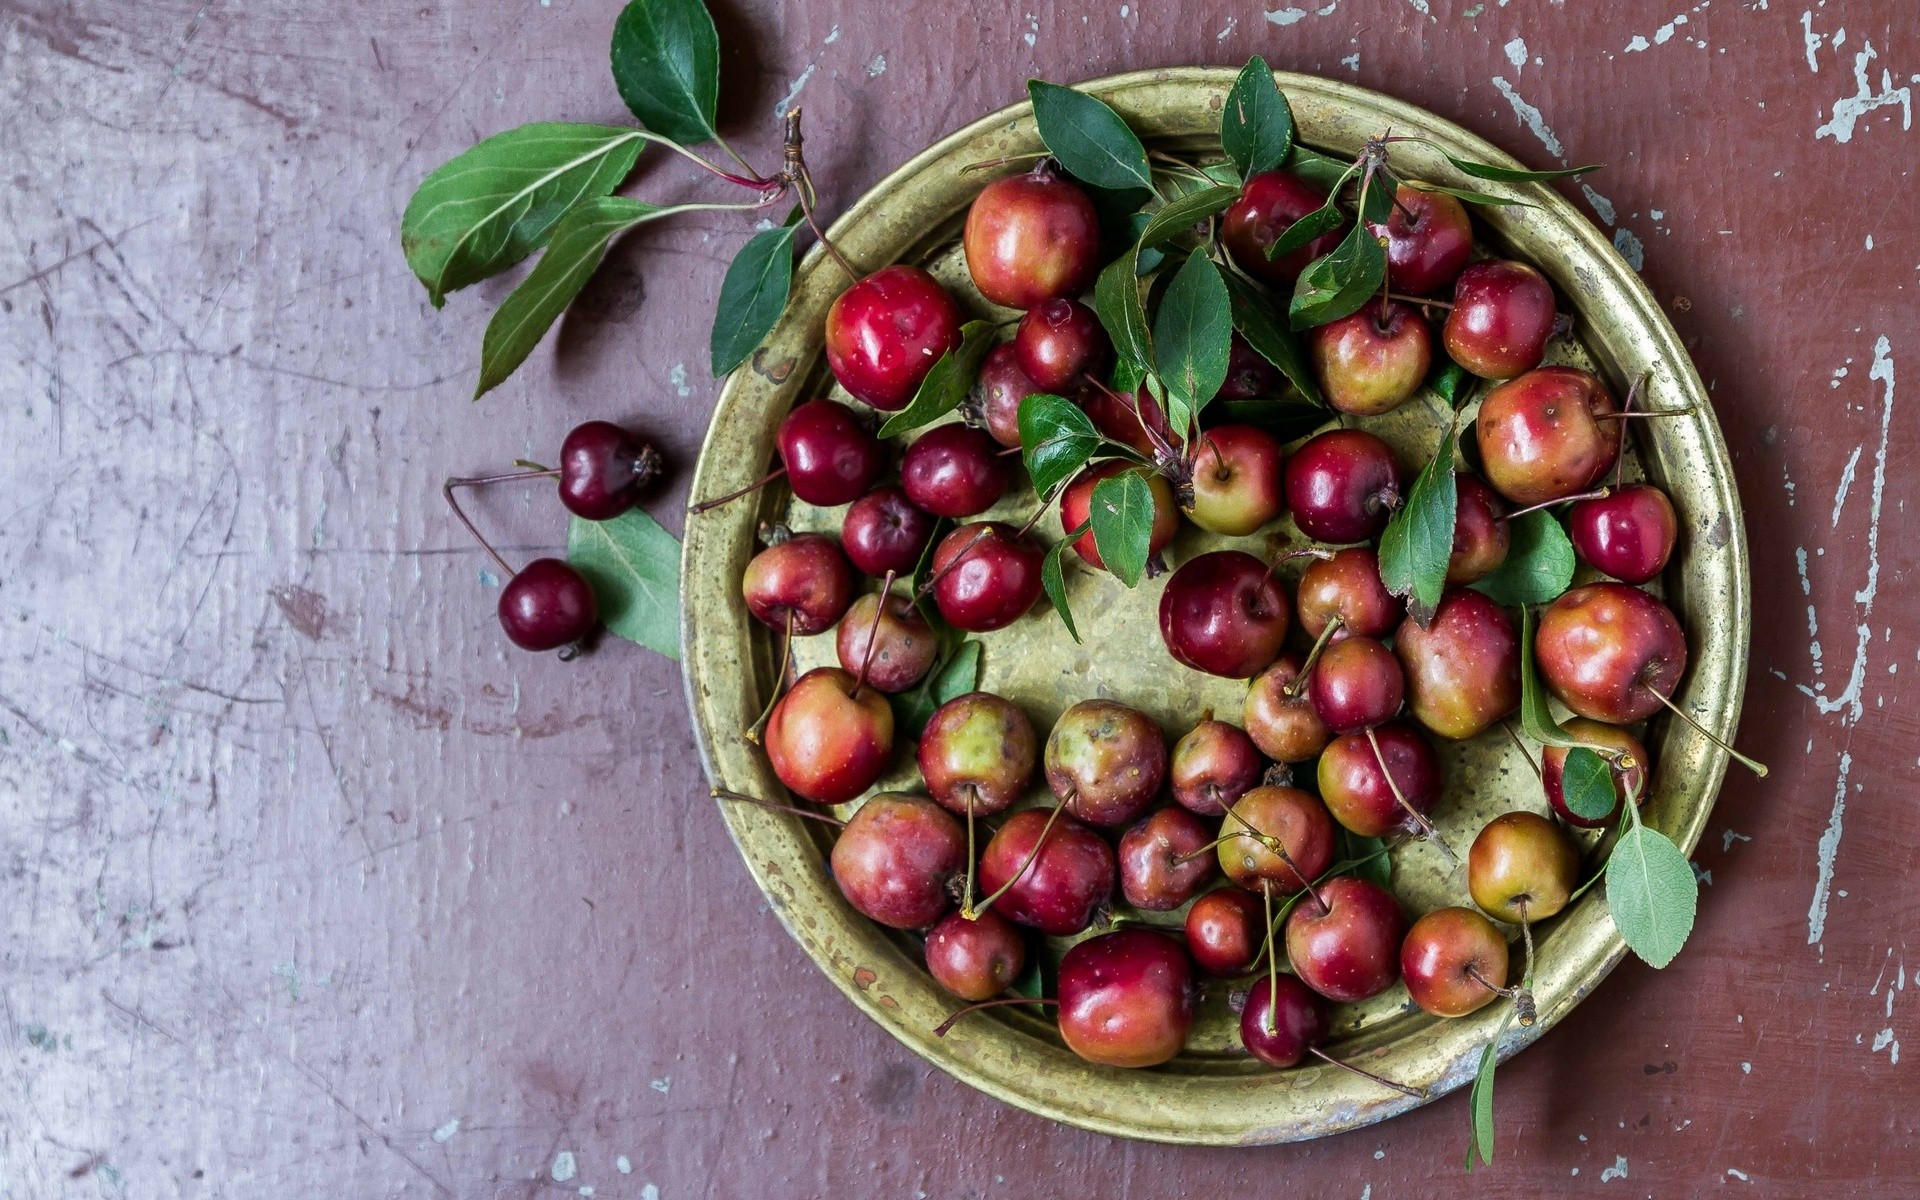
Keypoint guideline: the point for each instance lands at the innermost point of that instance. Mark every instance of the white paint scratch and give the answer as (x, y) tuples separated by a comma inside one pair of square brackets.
[(1636, 45), (1729, 837), (1737, 1173), (1812, 40), (1813, 615), (1421, 7), (623, 1164), (1630, 247), (1849, 109), (564, 1167), (1846, 482), (1226, 29), (663, 1086), (1351, 61), (1882, 1041), (1293, 16), (793, 92), (1517, 54), (877, 67), (649, 1192), (445, 1132), (1531, 118), (1617, 1171), (1602, 207), (678, 378), (1829, 849)]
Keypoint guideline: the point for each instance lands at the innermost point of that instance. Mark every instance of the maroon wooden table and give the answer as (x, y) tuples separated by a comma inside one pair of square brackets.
[(314, 887)]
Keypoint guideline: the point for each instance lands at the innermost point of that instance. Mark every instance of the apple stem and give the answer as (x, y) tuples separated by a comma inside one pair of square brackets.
[(941, 1029), (795, 172), (1273, 960), (1402, 1088), (988, 164), (1422, 301), (447, 490), (1313, 656), (1524, 752), (1599, 493), (779, 682), (1319, 552), (1757, 768), (1426, 826), (755, 486), (1523, 1003), (966, 888), (1522, 999), (873, 633), (724, 794), (1665, 412), (1038, 846)]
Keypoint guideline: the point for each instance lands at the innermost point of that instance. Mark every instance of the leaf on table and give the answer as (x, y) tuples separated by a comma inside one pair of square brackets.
[(1193, 337), (752, 296), (498, 202), (1368, 856), (633, 566), (1088, 138), (666, 64), (1056, 439), (1452, 384), (1586, 784), (1254, 317), (1480, 1104), (1418, 540), (1652, 892), (578, 245), (960, 675), (946, 384), (1121, 512), (1256, 123), (1539, 563)]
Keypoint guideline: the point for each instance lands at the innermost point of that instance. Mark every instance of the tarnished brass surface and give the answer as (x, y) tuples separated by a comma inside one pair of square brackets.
[(1212, 1094)]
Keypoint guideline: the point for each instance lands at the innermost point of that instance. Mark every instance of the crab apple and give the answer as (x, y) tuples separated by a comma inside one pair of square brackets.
[(546, 605), (1076, 505), (997, 393), (1235, 485), (1347, 585), (1276, 838), (1429, 239), (1269, 204), (1282, 1022), (1501, 319), (1548, 434), (1213, 765), (1067, 883), (1137, 422), (1346, 946), (1226, 929), (1249, 374), (1610, 652), (1522, 867), (1225, 614), (1342, 486), (1463, 668), (803, 579), (1453, 960), (885, 333), (1356, 683), (827, 740), (1481, 536), (1126, 998), (1162, 863), (978, 753), (1629, 535), (975, 958), (883, 531), (1105, 761), (1625, 756), (1372, 361), (1031, 238), (1059, 343), (987, 576), (903, 644), (829, 456), (1284, 727), (1361, 797), (955, 470), (899, 860), (604, 469)]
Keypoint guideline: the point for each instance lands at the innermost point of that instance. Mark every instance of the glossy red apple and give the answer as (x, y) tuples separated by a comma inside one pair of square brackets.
[(885, 332), (1225, 614), (1548, 434)]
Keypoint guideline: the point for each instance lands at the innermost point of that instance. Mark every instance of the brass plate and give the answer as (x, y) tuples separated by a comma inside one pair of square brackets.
[(1212, 1094)]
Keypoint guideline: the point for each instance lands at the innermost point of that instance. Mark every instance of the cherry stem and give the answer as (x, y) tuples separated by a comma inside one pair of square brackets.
[(1038, 846), (966, 889), (1319, 552), (941, 1029), (988, 164), (796, 171), (1313, 656), (1757, 768), (1426, 826), (1273, 960), (1524, 752), (1423, 301), (779, 681), (755, 486), (744, 181), (1626, 416), (1402, 1088), (981, 533), (1599, 493), (723, 794), (873, 633), (447, 488)]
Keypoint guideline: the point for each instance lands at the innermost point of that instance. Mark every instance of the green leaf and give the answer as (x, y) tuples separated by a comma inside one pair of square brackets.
[(1323, 220), (1376, 201), (960, 676), (1183, 214), (1145, 258), (1470, 197), (1328, 174), (1121, 512), (1223, 173), (633, 566), (1480, 1102), (1193, 337), (923, 598), (1261, 326), (1586, 784), (666, 63), (1480, 170), (947, 384), (1256, 126), (578, 245), (1418, 540), (1284, 419), (1340, 283), (1448, 381), (1368, 857), (1653, 894), (1057, 438), (494, 205), (752, 296), (1539, 563), (1089, 138), (1053, 577), (1117, 302), (1536, 719)]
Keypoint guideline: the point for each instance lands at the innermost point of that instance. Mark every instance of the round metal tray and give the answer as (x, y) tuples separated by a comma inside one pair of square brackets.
[(1213, 1093)]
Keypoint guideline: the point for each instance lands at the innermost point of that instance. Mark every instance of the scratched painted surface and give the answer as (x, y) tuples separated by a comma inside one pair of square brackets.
[(311, 882)]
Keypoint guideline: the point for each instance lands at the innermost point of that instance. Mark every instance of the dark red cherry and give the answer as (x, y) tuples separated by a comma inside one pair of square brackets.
[(1152, 877), (1120, 418), (1063, 887), (1343, 485), (885, 333), (1481, 533), (1031, 238), (1213, 766), (827, 740), (1225, 930), (1224, 613), (546, 605), (1629, 534), (1359, 795), (955, 470), (1283, 1021), (1059, 343), (1548, 434), (803, 578), (997, 393), (1610, 652), (883, 531), (988, 576), (1347, 586), (604, 469), (1269, 204), (829, 455)]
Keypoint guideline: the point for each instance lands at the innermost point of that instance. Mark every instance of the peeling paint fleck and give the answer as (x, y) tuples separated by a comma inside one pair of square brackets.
[(1531, 118), (1849, 109), (1617, 1171)]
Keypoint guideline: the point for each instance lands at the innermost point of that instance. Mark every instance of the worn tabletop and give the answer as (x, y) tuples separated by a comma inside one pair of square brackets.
[(314, 887)]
